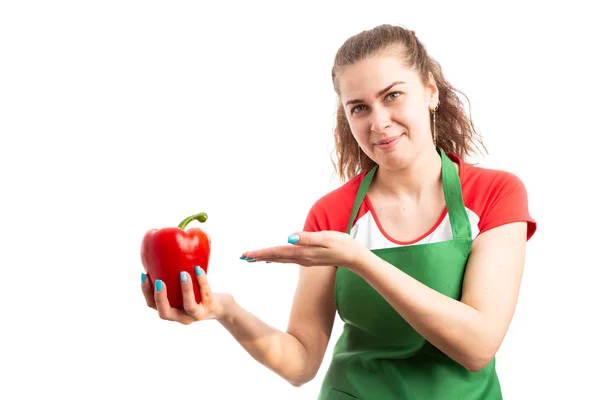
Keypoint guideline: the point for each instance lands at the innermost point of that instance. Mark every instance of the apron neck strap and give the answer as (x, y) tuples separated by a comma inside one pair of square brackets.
[(360, 196), (459, 221)]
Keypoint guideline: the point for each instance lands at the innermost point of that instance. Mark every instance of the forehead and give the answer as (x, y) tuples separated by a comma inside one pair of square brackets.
[(367, 77)]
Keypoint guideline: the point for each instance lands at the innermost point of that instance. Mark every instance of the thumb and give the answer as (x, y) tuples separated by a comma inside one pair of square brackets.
[(294, 238), (306, 238)]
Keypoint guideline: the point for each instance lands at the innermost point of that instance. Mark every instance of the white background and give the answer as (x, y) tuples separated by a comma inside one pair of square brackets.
[(121, 116)]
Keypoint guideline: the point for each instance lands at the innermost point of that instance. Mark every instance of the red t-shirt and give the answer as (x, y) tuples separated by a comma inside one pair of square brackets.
[(491, 197)]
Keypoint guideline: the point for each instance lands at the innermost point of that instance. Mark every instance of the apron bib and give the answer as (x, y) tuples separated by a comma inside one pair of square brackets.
[(379, 355)]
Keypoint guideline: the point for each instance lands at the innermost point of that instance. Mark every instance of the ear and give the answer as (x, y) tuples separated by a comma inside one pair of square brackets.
[(432, 93)]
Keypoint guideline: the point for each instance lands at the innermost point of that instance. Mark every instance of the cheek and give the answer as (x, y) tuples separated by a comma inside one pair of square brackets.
[(361, 130), (413, 118)]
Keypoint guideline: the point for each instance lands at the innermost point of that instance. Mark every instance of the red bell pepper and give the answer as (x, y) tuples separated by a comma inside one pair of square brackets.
[(168, 251)]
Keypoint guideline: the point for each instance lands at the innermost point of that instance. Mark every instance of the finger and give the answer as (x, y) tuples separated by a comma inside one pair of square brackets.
[(288, 261), (281, 253), (205, 291), (165, 311), (301, 255), (148, 292), (162, 302), (189, 299), (271, 253), (299, 239), (308, 239)]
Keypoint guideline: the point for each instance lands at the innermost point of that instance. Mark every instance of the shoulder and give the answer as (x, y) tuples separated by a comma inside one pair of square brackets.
[(332, 211), (496, 197), (480, 183)]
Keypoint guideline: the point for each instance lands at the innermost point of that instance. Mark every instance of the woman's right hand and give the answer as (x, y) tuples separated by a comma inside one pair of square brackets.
[(212, 306)]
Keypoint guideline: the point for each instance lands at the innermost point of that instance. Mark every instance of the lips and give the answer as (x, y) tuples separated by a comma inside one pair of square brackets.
[(387, 140)]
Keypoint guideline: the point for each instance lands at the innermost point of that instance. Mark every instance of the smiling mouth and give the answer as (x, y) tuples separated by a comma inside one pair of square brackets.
[(387, 141)]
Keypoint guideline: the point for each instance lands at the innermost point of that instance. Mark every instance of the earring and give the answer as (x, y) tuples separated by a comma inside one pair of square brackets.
[(434, 134)]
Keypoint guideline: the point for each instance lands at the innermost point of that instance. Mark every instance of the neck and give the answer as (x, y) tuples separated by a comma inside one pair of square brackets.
[(421, 176)]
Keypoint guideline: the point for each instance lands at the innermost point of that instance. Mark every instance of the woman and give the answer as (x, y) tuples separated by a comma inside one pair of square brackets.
[(420, 253)]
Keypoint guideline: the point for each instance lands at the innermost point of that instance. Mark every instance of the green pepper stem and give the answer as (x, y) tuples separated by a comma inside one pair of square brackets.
[(201, 217)]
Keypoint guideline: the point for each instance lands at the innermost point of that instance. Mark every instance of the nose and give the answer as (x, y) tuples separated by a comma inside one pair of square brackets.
[(380, 119)]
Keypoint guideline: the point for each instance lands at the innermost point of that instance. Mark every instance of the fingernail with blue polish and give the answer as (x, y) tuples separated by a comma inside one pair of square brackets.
[(198, 271), (158, 285), (250, 260), (242, 258), (143, 278), (183, 276), (293, 239)]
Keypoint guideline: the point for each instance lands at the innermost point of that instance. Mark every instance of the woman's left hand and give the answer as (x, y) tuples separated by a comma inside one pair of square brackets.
[(324, 248)]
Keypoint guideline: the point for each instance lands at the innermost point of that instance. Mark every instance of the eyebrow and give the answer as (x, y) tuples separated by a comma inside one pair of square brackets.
[(381, 92)]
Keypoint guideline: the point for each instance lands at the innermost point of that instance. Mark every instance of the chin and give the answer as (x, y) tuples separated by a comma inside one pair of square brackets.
[(400, 157), (394, 161)]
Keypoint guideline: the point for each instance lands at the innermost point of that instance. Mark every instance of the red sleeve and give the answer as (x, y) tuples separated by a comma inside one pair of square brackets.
[(312, 222), (508, 204), (328, 214), (331, 211)]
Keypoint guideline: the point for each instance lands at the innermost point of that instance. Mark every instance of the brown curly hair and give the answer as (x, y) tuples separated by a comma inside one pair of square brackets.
[(455, 132)]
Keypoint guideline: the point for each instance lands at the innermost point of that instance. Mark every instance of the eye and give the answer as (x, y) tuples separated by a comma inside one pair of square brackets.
[(393, 95), (356, 109)]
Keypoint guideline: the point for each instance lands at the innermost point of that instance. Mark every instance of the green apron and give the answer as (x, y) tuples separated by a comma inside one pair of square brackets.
[(379, 355)]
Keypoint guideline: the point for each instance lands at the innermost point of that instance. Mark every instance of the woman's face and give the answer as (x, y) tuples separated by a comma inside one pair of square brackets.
[(388, 109)]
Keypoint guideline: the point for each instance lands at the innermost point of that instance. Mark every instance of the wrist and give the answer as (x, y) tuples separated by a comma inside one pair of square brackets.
[(228, 304), (361, 260)]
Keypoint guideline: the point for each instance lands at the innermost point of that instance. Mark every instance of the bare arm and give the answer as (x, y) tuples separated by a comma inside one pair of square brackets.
[(471, 330), (296, 354)]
